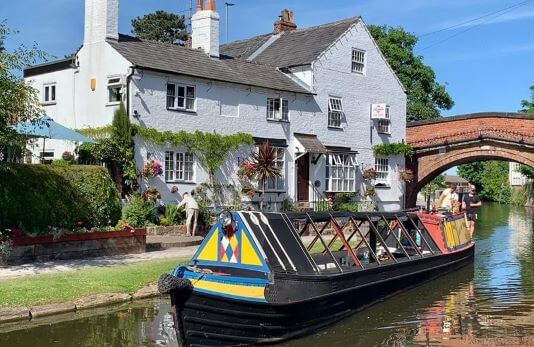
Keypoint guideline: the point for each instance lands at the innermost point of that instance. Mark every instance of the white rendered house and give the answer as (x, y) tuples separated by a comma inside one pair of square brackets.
[(309, 92)]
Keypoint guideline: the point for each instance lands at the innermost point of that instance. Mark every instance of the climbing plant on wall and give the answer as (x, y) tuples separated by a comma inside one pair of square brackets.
[(211, 149), (389, 149)]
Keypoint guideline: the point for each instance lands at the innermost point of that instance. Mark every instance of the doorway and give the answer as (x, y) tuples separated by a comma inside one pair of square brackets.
[(303, 177)]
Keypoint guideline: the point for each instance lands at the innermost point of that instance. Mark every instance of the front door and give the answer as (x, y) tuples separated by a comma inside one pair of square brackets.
[(303, 177)]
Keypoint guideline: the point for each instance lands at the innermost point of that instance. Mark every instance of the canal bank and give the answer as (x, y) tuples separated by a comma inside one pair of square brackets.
[(491, 302), (31, 291)]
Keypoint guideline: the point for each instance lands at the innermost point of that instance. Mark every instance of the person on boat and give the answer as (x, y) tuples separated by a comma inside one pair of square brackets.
[(446, 199), (191, 213), (470, 204)]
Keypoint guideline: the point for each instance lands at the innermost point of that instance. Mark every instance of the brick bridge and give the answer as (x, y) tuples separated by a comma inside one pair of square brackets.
[(443, 143)]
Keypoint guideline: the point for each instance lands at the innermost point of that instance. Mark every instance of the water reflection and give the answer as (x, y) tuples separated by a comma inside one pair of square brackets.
[(141, 324), (488, 303)]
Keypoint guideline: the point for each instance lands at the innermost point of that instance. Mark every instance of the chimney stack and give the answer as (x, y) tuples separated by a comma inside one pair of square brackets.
[(205, 28), (101, 21), (285, 23)]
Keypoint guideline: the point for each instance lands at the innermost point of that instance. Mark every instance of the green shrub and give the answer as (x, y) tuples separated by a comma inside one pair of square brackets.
[(139, 212), (204, 214), (347, 207), (37, 197), (61, 162), (173, 215)]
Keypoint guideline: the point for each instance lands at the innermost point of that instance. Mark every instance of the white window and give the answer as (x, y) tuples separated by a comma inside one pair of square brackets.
[(278, 183), (277, 109), (341, 172), (114, 90), (335, 112), (382, 170), (179, 166), (181, 97), (384, 125), (49, 96), (358, 60)]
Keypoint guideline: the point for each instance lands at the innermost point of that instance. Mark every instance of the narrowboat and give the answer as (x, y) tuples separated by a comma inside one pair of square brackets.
[(262, 278)]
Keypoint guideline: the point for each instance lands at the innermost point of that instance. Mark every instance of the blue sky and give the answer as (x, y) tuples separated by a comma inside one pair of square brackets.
[(487, 65)]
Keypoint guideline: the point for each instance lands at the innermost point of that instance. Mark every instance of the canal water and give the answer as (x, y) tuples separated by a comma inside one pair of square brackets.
[(489, 303)]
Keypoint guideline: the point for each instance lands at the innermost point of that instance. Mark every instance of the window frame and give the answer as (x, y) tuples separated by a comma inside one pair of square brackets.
[(182, 167), (355, 62), (181, 98), (49, 93), (383, 126), (340, 173), (280, 115), (333, 110), (382, 176), (114, 83)]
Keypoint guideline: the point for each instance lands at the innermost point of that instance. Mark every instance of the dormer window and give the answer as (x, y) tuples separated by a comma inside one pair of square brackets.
[(358, 61)]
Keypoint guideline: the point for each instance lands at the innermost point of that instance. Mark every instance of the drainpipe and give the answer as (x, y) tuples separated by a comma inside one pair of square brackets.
[(128, 80)]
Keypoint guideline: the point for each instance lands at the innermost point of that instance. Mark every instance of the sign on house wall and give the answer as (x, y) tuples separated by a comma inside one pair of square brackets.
[(378, 111)]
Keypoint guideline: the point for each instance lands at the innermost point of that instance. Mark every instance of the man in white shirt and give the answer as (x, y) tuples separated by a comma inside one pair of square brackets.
[(191, 213)]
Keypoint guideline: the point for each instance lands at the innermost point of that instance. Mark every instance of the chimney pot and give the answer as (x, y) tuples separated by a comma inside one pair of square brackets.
[(285, 22), (211, 5), (200, 5)]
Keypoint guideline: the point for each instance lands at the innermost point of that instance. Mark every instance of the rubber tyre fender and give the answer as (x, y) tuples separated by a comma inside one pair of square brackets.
[(168, 283)]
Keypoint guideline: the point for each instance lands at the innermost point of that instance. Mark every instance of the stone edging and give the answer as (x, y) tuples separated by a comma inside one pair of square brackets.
[(16, 314)]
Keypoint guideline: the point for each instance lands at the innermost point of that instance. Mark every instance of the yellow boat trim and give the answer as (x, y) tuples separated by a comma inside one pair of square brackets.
[(231, 289)]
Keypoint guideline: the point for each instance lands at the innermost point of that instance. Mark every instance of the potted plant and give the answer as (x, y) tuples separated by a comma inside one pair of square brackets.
[(152, 169), (406, 175), (370, 174)]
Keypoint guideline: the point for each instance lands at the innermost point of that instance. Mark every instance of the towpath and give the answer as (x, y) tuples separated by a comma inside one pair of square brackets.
[(69, 265)]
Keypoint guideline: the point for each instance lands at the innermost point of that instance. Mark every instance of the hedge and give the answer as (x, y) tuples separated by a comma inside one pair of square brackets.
[(37, 197)]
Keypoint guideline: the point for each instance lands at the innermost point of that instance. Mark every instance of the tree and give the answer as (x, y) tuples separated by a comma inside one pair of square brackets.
[(528, 105), (117, 152), (426, 97), (19, 101), (490, 178), (264, 167), (160, 26)]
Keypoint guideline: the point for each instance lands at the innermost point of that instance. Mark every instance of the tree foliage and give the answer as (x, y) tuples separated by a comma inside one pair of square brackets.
[(160, 26), (527, 106), (490, 178), (18, 101), (115, 148), (426, 97)]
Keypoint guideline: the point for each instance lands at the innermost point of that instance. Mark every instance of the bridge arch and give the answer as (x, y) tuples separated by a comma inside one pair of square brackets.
[(446, 142)]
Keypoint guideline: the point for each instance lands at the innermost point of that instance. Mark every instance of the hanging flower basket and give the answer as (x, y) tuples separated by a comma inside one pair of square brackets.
[(406, 175), (152, 169), (369, 192), (370, 174), (246, 170)]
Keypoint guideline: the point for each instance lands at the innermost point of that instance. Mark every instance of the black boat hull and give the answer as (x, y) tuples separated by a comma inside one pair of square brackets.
[(209, 320)]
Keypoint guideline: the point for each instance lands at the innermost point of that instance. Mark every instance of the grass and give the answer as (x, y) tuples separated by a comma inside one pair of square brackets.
[(319, 248), (68, 286)]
